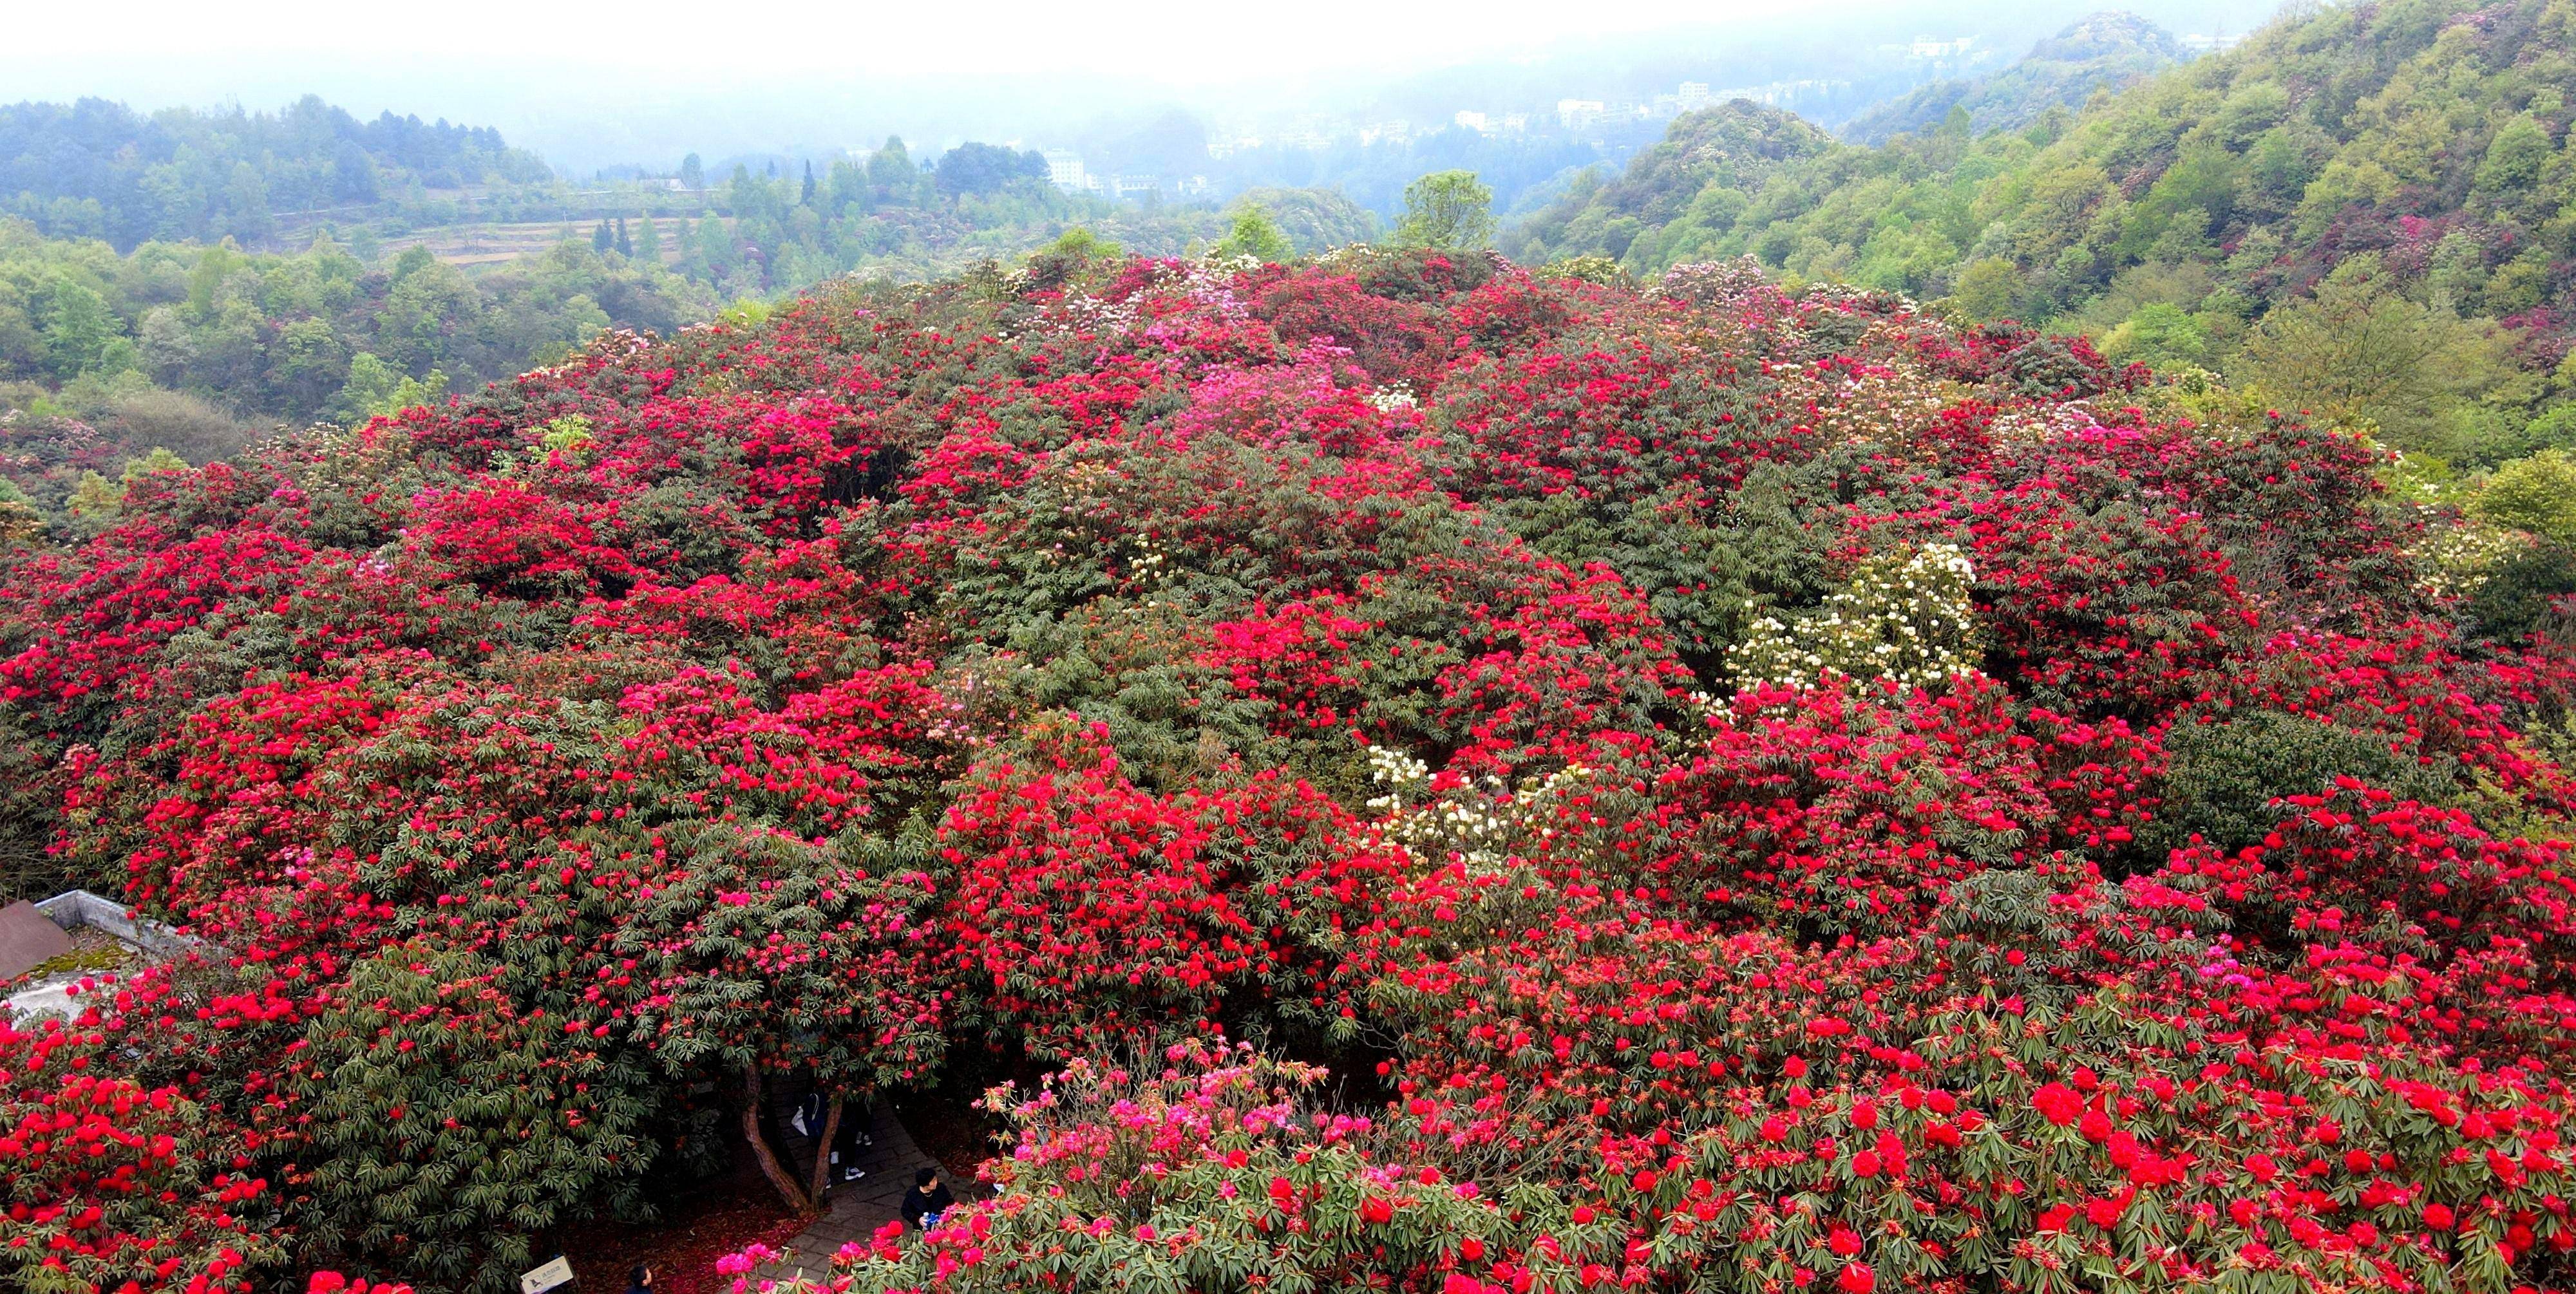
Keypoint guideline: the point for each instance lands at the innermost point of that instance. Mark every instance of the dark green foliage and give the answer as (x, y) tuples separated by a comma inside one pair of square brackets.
[(2226, 775), (448, 1126), (30, 802), (2525, 593)]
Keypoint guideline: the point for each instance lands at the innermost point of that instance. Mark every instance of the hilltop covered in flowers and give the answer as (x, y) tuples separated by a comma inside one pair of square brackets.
[(1461, 780)]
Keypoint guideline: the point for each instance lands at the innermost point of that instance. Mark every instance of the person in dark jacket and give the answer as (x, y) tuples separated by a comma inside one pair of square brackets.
[(640, 1280), (927, 1199)]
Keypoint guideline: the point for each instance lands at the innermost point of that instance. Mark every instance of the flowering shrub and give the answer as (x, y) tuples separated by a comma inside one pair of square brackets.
[(432, 1104), (1720, 787), (1905, 617), (113, 1185)]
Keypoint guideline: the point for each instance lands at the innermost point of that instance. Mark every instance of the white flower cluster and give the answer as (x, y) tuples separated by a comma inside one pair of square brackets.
[(1391, 397), (2041, 424), (1903, 616), (2456, 561), (1711, 282), (1892, 406), (1220, 269), (1076, 311), (1152, 563), (1476, 823), (1083, 312)]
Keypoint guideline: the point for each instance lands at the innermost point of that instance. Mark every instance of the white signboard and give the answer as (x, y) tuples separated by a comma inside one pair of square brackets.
[(555, 1274)]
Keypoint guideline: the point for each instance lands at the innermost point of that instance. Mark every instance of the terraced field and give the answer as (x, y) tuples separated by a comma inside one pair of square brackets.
[(495, 243)]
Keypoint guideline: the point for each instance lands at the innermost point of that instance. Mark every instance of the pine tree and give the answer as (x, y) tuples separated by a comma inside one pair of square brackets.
[(806, 198), (625, 247), (601, 239)]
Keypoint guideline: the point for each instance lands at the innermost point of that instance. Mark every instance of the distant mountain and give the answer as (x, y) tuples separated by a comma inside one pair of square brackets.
[(2275, 213), (2431, 133), (2101, 51), (1731, 148)]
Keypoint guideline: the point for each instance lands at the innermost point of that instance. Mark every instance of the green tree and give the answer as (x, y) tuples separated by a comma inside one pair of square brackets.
[(1254, 235), (413, 260), (1447, 209), (1071, 257), (77, 327), (95, 503), (207, 276), (2514, 158), (2537, 494), (158, 460), (376, 388), (1989, 289), (693, 173), (890, 168), (2226, 772), (2160, 335), (307, 363), (2360, 352), (716, 246)]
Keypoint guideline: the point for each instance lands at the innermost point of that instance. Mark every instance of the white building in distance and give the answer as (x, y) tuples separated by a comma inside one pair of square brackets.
[(1066, 170)]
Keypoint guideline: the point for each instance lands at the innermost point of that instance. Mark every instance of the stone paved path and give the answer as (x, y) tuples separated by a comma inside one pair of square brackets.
[(856, 1209)]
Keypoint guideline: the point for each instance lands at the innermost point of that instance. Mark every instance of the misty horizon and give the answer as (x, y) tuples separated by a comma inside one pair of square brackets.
[(614, 102)]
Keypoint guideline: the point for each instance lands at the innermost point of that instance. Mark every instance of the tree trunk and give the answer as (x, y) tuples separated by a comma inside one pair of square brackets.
[(832, 1106), (762, 1151)]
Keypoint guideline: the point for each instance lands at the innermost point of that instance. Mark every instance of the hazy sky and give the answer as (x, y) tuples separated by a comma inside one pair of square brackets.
[(54, 46), (1161, 40), (594, 83)]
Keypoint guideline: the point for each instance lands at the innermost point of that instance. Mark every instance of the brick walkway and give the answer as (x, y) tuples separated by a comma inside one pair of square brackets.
[(855, 1209)]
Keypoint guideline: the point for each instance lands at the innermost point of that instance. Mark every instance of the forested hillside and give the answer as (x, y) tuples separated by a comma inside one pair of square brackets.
[(275, 181), (1709, 158), (2105, 51), (199, 350), (126, 301), (2361, 210), (95, 169), (886, 215)]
